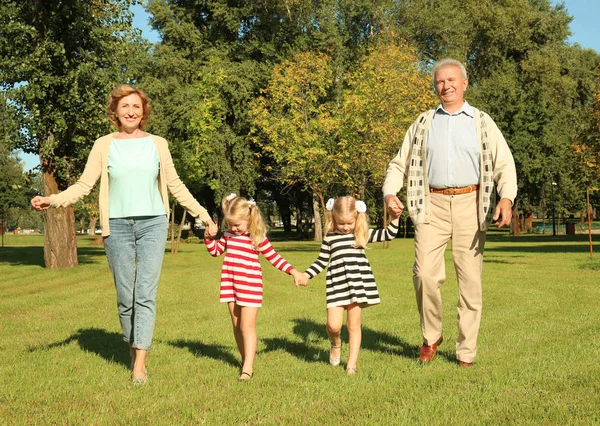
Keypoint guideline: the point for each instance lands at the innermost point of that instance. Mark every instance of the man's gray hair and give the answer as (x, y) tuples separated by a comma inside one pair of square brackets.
[(447, 62)]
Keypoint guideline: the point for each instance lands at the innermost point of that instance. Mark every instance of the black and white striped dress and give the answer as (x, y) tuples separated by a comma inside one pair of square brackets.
[(349, 276)]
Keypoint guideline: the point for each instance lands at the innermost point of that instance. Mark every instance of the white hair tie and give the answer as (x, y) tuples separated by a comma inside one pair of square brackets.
[(251, 202), (361, 207), (230, 197), (329, 205)]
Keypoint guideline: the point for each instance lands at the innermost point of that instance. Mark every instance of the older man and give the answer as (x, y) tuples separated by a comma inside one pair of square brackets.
[(451, 157)]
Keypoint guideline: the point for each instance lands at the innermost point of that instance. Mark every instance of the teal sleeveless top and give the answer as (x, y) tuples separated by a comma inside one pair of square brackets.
[(133, 178)]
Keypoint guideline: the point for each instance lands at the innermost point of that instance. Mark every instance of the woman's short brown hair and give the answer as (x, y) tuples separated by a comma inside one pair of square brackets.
[(119, 93)]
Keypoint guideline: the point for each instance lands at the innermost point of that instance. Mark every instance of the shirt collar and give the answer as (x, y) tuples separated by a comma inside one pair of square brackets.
[(464, 109)]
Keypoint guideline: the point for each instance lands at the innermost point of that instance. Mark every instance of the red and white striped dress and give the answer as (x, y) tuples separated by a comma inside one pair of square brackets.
[(241, 275)]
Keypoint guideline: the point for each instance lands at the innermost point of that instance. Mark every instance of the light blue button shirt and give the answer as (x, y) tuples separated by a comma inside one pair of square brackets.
[(133, 178), (452, 149)]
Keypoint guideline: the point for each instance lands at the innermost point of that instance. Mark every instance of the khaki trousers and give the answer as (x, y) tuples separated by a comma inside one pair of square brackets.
[(452, 217)]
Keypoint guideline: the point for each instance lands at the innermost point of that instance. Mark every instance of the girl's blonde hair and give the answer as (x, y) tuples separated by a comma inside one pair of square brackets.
[(346, 206), (239, 208)]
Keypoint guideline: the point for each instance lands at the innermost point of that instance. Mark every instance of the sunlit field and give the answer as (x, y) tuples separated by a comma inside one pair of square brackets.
[(63, 361)]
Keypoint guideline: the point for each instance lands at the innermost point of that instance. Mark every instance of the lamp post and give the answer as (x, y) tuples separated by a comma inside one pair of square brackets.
[(553, 210)]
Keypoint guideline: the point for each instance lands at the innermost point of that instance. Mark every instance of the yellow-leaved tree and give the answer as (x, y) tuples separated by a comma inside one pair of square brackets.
[(295, 126), (386, 94)]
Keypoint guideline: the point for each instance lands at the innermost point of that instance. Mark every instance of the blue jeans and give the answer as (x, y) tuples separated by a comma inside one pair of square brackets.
[(135, 249)]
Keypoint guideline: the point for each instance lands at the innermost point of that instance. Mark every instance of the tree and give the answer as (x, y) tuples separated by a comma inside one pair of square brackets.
[(386, 93), (62, 59), (295, 126)]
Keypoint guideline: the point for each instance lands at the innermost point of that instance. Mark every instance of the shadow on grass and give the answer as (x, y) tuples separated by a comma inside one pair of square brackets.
[(108, 345), (312, 333), (34, 256), (299, 248), (504, 262), (216, 352), (540, 244)]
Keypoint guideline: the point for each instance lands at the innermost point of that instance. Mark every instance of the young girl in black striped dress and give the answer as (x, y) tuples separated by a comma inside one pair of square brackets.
[(350, 283)]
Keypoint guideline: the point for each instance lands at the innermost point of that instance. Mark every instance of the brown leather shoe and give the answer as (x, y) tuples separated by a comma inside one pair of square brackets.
[(465, 364), (428, 353)]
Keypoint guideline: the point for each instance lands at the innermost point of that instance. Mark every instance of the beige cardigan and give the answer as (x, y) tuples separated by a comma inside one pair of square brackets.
[(97, 166), (497, 168)]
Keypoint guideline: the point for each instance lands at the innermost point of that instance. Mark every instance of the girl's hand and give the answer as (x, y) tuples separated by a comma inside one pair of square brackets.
[(40, 203), (300, 279), (210, 231), (395, 214)]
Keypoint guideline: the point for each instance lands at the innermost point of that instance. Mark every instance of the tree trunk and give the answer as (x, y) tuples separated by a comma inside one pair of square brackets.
[(180, 228), (298, 220), (92, 227), (515, 229), (386, 244), (173, 229), (60, 244), (317, 216)]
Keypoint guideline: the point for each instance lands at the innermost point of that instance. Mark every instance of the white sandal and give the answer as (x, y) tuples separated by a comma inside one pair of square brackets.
[(335, 360)]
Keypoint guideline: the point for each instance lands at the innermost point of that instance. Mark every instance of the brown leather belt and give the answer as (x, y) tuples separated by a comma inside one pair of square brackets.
[(455, 191)]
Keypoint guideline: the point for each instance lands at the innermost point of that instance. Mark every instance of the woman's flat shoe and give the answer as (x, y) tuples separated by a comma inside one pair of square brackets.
[(335, 360), (350, 371), (140, 381)]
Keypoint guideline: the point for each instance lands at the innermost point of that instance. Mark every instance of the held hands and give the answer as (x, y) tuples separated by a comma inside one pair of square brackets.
[(503, 213), (211, 230), (40, 203), (394, 206), (300, 279)]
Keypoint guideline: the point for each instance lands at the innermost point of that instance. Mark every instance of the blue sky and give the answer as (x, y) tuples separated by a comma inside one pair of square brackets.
[(585, 29), (585, 26)]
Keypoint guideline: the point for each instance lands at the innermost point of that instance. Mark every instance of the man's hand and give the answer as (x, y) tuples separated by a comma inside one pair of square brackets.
[(394, 206), (503, 213)]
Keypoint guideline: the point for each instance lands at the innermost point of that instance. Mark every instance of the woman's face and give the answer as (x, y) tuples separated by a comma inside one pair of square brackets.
[(130, 112)]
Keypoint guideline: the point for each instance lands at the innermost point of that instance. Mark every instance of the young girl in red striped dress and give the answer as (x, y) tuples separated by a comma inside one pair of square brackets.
[(241, 276)]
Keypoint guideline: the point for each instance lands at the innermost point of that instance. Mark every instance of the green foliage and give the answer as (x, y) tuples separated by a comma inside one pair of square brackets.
[(13, 182), (61, 59), (385, 94), (218, 61), (295, 125)]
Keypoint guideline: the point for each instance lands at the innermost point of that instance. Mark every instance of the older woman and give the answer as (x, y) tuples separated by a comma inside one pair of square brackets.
[(135, 170)]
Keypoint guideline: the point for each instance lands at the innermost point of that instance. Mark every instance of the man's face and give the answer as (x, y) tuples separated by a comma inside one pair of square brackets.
[(450, 86)]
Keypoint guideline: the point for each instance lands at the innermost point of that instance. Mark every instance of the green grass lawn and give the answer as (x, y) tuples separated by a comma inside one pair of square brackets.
[(63, 361)]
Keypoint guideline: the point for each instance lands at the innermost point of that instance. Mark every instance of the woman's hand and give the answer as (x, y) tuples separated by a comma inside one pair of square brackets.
[(40, 203), (210, 231)]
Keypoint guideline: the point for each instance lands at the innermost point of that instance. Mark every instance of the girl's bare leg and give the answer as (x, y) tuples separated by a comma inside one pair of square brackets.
[(234, 311), (353, 322), (248, 317), (335, 318)]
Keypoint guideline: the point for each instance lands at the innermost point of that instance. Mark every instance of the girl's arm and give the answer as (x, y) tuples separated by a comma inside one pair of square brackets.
[(321, 262), (273, 257), (216, 247), (379, 235)]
